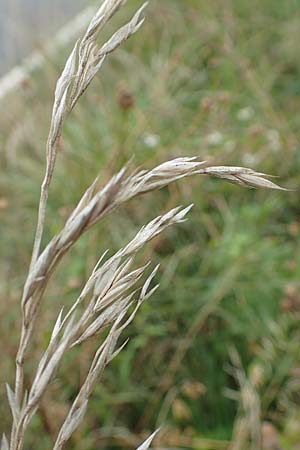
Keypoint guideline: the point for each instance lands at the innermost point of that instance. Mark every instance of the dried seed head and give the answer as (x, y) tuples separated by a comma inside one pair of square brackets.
[(242, 176)]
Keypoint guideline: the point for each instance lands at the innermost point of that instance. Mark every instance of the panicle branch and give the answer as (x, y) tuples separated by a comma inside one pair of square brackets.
[(107, 298)]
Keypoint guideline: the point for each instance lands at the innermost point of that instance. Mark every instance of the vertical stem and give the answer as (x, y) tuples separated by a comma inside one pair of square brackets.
[(51, 152), (24, 340), (27, 328), (40, 222)]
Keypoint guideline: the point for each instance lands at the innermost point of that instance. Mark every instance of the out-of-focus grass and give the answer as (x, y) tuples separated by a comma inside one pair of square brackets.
[(214, 79)]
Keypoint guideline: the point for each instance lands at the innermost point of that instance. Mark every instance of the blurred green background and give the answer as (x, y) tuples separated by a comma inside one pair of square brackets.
[(214, 357)]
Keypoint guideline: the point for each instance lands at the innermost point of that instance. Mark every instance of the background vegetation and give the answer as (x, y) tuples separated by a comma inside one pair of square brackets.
[(214, 356)]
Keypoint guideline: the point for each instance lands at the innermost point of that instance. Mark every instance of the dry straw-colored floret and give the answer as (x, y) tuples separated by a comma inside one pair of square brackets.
[(115, 291), (243, 177)]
